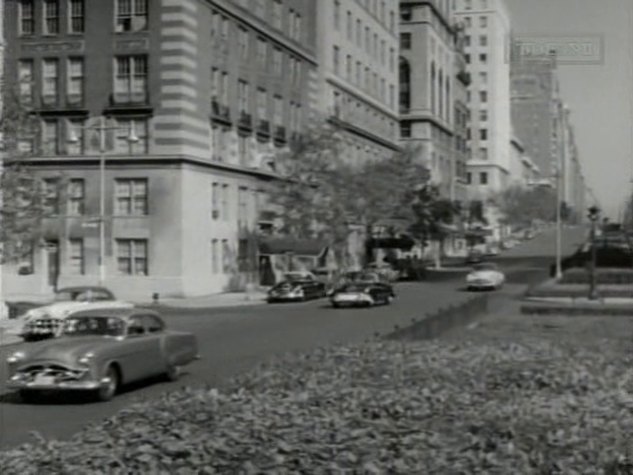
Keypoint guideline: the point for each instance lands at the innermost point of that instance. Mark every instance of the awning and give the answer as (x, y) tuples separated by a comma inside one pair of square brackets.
[(300, 247), (403, 242)]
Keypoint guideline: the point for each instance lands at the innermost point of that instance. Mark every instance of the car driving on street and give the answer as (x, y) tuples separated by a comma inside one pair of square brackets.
[(296, 287), (485, 276), (363, 294)]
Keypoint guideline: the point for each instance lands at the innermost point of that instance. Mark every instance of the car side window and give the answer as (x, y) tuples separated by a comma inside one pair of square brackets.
[(135, 327), (153, 324)]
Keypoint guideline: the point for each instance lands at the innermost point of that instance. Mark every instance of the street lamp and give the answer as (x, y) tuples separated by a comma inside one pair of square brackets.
[(102, 128), (593, 215)]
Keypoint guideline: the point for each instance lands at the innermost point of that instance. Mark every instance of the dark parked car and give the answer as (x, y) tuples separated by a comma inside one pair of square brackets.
[(363, 294), (475, 257), (295, 289)]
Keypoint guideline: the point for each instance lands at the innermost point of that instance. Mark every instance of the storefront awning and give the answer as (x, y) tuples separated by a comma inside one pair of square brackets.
[(299, 247)]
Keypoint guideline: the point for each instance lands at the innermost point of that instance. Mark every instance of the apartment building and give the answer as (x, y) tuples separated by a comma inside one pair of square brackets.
[(190, 99), (358, 75), (430, 99), (487, 29)]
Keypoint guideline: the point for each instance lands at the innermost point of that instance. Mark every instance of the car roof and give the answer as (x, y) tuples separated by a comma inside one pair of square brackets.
[(120, 312)]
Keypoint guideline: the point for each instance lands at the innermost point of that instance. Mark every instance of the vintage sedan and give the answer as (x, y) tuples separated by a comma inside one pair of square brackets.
[(99, 351), (296, 289), (485, 276), (363, 294), (47, 321)]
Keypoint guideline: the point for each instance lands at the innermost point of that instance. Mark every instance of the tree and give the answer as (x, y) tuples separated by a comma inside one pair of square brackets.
[(522, 206), (22, 197), (431, 212)]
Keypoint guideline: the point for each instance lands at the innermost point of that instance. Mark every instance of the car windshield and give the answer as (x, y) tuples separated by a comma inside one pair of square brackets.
[(486, 266), (353, 288), (81, 295), (97, 325), (296, 276)]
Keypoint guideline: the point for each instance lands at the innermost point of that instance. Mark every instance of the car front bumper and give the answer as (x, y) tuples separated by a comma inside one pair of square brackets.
[(284, 298), (352, 299), (480, 284), (18, 382)]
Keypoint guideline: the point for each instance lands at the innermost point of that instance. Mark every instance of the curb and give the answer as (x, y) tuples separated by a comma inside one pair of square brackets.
[(443, 320), (572, 309)]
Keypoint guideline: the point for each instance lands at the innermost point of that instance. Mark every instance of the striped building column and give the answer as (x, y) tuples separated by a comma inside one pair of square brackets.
[(181, 125)]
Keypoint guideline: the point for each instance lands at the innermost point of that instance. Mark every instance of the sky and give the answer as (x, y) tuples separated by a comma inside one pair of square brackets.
[(600, 96)]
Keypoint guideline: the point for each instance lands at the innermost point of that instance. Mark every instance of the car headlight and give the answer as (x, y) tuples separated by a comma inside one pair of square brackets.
[(16, 357), (86, 358)]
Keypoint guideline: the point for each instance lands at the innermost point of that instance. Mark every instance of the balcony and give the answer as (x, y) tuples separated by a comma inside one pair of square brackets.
[(280, 133), (220, 111), (263, 128), (245, 120)]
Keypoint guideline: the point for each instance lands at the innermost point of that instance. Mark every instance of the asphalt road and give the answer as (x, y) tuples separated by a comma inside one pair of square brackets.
[(236, 339)]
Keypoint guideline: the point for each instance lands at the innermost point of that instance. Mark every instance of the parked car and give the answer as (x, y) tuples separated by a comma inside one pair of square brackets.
[(46, 321), (99, 351), (485, 276), (296, 287), (363, 294), (384, 269)]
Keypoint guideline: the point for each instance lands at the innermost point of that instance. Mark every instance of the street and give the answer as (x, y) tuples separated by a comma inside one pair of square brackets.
[(233, 340)]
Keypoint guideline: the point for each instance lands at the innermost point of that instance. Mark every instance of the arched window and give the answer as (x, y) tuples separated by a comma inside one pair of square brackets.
[(405, 85)]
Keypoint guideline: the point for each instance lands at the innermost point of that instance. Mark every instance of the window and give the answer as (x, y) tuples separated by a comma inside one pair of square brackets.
[(50, 78), (76, 16), (405, 129), (468, 21), (243, 150), (132, 256), (75, 80), (483, 40), (226, 256), (467, 40), (335, 59), (25, 78), (348, 67), (405, 40), (295, 26), (483, 178), (483, 134), (51, 17), (75, 130), (225, 202), (262, 100), (483, 153), (130, 196), (76, 197), (277, 14), (50, 137), (469, 178), (242, 206), (468, 4), (337, 15), (131, 15), (131, 128), (367, 40), (405, 12), (483, 21), (278, 111), (215, 262), (484, 4), (392, 21), (483, 115), (26, 17), (483, 77), (467, 58), (76, 256), (350, 26), (215, 200), (130, 83), (483, 57), (277, 61), (392, 59), (262, 52), (242, 45), (483, 96), (242, 98), (50, 192), (359, 32)]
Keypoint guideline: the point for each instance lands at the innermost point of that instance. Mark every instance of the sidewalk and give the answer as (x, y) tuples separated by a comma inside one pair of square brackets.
[(228, 299)]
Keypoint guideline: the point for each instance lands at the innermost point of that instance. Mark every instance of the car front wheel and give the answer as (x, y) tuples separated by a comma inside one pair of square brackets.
[(108, 390)]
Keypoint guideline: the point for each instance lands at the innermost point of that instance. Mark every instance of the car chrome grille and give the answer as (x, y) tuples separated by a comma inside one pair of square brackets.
[(59, 372), (43, 325)]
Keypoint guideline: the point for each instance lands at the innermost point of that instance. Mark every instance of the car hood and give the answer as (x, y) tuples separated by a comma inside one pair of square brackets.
[(483, 274), (65, 350), (64, 309)]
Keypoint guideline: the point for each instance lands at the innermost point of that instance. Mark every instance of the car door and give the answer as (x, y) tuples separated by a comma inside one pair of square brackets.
[(155, 330), (140, 350)]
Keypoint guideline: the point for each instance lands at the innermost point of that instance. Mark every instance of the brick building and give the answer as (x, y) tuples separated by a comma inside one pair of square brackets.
[(207, 90)]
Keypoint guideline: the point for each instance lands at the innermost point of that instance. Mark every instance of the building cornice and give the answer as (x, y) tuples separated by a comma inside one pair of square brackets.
[(427, 118), (364, 133), (360, 95)]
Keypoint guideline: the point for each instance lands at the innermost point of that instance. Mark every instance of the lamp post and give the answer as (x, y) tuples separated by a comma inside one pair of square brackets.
[(594, 212), (102, 128)]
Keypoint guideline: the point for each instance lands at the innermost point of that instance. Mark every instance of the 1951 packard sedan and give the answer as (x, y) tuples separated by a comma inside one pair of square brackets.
[(100, 350)]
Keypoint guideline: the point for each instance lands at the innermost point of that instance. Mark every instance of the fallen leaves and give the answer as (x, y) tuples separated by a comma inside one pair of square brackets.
[(381, 407)]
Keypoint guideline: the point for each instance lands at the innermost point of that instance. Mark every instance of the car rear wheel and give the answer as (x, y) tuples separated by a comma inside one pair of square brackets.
[(108, 390)]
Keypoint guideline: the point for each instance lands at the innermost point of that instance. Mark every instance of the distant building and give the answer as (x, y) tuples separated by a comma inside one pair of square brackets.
[(487, 30), (523, 171), (208, 88)]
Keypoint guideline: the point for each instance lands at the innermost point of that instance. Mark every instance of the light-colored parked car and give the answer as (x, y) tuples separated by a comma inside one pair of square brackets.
[(100, 350), (47, 321), (485, 276), (385, 270)]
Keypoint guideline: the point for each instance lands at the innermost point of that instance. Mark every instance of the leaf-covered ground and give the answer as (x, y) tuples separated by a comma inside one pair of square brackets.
[(494, 399)]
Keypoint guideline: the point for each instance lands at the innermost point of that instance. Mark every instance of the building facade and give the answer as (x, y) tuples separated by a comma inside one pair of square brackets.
[(487, 29), (195, 96), (428, 94)]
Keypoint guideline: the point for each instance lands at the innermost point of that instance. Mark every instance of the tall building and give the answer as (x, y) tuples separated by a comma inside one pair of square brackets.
[(429, 89), (487, 29), (189, 97), (358, 76), (535, 108)]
